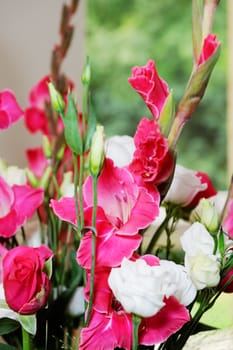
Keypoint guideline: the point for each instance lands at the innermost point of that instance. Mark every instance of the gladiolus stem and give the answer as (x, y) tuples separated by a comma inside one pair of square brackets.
[(136, 324), (93, 248), (26, 340)]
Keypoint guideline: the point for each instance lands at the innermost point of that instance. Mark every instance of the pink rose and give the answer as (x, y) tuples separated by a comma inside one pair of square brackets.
[(25, 283), (154, 90), (10, 111), (209, 48), (151, 160)]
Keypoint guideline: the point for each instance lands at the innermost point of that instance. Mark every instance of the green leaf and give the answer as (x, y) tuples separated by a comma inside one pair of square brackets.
[(48, 267), (7, 347), (72, 132), (7, 325), (197, 29), (28, 322), (221, 243)]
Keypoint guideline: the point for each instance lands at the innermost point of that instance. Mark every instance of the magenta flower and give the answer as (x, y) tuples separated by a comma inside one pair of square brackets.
[(18, 203), (25, 283), (209, 48), (123, 209), (37, 161), (153, 89), (10, 111), (151, 160), (228, 221)]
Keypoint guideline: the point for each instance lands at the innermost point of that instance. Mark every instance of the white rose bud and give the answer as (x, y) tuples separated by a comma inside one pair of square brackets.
[(206, 213), (204, 270), (184, 187), (97, 154)]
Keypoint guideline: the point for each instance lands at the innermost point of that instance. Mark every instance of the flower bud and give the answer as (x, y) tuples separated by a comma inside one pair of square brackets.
[(206, 213), (33, 180), (57, 101), (86, 74), (46, 147), (44, 181), (97, 151)]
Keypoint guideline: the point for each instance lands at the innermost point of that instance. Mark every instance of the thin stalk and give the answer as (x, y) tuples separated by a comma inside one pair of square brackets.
[(26, 340), (93, 249), (136, 324)]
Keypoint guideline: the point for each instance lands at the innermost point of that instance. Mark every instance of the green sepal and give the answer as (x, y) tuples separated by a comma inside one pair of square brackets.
[(167, 114), (7, 325), (48, 267), (71, 131), (28, 322), (197, 29)]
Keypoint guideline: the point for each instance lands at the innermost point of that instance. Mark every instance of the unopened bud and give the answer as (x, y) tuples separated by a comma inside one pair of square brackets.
[(44, 181), (97, 151), (57, 101), (46, 145), (206, 213), (33, 180), (86, 74)]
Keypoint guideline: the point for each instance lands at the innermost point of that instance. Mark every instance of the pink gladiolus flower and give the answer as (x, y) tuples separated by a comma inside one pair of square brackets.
[(26, 285), (153, 89), (208, 192), (37, 161), (123, 209), (10, 111), (151, 160), (209, 48), (18, 203)]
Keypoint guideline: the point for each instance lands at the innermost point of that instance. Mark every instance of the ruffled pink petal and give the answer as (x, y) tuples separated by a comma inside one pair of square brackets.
[(36, 160), (10, 106), (110, 249), (106, 332), (166, 322), (64, 208), (27, 200)]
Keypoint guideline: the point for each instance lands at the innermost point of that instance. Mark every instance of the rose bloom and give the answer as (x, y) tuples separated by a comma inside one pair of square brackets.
[(25, 283)]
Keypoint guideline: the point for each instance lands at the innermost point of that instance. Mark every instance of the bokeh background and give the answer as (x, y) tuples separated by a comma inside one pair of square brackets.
[(117, 35)]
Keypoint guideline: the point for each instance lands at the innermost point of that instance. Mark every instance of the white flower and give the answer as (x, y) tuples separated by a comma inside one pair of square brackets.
[(13, 175), (120, 149), (204, 270), (141, 288), (138, 287), (184, 187), (201, 263), (183, 288), (76, 305)]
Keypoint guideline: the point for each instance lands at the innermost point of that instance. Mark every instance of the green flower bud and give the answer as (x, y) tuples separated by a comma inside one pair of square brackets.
[(97, 151), (86, 74), (33, 180), (206, 213), (44, 181), (57, 101), (47, 149)]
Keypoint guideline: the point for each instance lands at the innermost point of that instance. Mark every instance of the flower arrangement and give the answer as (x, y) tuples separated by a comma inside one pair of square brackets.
[(95, 273)]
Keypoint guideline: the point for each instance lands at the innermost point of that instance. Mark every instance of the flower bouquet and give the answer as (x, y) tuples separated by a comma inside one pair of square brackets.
[(129, 248)]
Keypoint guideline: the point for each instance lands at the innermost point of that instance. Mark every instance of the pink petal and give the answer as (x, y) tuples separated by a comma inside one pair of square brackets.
[(110, 249), (64, 208), (7, 198), (40, 93), (209, 48), (166, 322), (10, 106), (27, 200), (8, 224), (36, 120), (36, 160), (106, 332)]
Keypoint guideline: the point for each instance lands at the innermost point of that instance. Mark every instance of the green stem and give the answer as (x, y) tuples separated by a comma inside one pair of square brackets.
[(26, 340), (93, 249), (136, 324)]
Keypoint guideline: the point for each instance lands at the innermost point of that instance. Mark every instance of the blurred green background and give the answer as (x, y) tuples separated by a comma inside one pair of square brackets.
[(122, 34)]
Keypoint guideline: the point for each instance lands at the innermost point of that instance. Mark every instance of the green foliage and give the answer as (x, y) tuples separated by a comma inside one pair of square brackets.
[(122, 34), (8, 325)]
